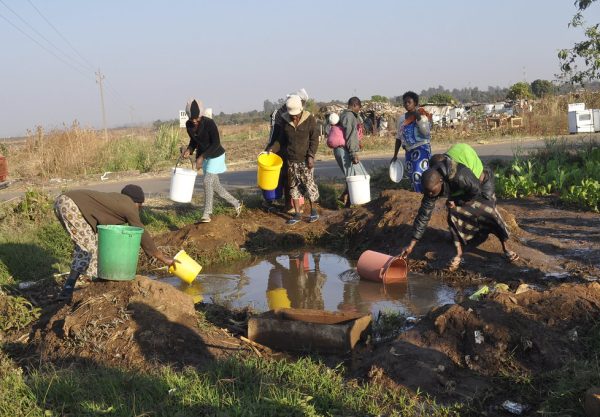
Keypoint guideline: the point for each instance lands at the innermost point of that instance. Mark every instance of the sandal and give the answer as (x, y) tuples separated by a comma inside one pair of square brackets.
[(454, 264), (511, 256)]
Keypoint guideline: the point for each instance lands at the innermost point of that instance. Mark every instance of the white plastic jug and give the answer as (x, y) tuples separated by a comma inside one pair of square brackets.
[(182, 184), (359, 189)]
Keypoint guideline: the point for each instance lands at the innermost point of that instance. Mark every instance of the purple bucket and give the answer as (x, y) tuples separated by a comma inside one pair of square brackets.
[(270, 195)]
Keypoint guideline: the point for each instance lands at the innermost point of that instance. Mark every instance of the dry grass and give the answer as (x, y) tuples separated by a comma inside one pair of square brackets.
[(75, 151)]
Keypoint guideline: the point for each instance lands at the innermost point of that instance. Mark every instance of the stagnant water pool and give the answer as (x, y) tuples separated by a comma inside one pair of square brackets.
[(312, 279)]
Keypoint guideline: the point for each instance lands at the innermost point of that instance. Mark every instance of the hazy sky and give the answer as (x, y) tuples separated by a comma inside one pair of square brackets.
[(235, 54)]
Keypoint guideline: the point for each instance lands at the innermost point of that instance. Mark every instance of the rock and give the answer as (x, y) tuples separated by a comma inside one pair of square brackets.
[(592, 402)]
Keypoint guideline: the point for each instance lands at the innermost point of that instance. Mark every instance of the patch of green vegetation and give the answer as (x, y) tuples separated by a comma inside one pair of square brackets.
[(16, 398), (33, 244), (328, 195), (570, 172), (16, 313), (233, 387)]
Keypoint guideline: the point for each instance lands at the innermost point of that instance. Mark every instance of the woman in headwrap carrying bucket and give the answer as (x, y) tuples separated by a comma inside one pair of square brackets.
[(210, 155)]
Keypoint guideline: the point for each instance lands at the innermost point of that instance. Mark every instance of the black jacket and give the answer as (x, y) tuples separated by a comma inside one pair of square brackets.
[(297, 143), (205, 140), (460, 185)]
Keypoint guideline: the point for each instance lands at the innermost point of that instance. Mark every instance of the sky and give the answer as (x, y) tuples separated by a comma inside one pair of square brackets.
[(155, 55)]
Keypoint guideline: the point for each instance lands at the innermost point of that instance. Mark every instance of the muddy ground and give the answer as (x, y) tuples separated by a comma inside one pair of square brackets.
[(455, 353)]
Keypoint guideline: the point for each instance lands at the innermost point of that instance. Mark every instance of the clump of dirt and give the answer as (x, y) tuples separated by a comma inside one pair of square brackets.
[(132, 323), (455, 349)]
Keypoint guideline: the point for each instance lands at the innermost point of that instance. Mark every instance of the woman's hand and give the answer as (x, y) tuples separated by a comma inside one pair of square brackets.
[(407, 250), (199, 162), (185, 153), (165, 259), (310, 162)]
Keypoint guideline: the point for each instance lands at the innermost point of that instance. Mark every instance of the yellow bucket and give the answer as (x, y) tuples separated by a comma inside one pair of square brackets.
[(278, 298), (186, 269), (269, 166)]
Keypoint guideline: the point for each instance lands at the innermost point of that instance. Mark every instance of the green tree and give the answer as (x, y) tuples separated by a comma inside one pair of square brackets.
[(518, 91), (380, 99), (442, 98), (541, 88), (585, 53)]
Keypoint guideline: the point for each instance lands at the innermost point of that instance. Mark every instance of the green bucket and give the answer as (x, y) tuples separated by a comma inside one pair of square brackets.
[(118, 250)]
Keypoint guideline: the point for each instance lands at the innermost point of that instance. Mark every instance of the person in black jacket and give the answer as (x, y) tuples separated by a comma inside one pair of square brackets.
[(210, 155), (471, 215), (299, 137)]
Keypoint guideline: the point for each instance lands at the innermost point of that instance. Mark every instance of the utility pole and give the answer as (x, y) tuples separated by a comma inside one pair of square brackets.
[(99, 78)]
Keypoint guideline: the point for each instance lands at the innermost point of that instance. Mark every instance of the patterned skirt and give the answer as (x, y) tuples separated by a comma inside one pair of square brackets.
[(475, 220)]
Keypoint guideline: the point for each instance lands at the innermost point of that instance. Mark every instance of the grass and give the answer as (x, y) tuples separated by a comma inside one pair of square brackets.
[(33, 244), (16, 313), (234, 387)]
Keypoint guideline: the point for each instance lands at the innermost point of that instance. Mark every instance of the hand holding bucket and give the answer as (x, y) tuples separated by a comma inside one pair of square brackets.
[(184, 267)]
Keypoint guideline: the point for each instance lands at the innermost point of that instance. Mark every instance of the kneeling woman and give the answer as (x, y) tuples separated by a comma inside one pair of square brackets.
[(471, 216), (210, 155)]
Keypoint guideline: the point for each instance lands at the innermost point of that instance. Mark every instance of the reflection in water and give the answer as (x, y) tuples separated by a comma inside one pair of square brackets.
[(315, 280)]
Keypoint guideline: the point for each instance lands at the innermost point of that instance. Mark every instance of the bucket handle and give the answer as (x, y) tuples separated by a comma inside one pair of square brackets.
[(179, 160), (386, 266)]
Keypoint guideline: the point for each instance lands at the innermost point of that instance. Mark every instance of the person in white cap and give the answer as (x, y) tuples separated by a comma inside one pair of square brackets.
[(299, 136), (276, 123)]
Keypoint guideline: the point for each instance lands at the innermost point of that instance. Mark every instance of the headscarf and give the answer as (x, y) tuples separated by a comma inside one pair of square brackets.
[(194, 108)]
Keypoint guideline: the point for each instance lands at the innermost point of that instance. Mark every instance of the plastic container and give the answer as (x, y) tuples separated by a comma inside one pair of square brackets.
[(396, 171), (359, 189), (182, 184), (186, 269), (118, 250), (278, 298), (3, 168), (269, 167), (270, 195), (379, 267)]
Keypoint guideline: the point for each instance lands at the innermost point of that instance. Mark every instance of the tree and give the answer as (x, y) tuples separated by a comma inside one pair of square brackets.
[(442, 98), (518, 91), (541, 88), (586, 52), (380, 99)]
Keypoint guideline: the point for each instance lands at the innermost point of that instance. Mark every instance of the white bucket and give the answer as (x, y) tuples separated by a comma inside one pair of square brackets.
[(182, 184), (358, 189)]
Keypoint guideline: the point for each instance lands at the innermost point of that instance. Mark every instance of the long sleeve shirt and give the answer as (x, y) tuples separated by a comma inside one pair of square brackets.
[(299, 142), (100, 208), (205, 140)]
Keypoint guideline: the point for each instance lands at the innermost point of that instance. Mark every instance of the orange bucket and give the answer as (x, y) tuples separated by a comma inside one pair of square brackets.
[(379, 267)]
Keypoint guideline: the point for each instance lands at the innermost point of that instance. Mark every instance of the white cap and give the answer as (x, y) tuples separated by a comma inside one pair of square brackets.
[(334, 119), (208, 112), (293, 105)]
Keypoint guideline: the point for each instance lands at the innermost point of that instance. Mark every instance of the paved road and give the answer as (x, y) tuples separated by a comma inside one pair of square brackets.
[(159, 185)]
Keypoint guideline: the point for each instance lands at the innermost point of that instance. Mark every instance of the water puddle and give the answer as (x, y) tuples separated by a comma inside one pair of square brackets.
[(316, 280)]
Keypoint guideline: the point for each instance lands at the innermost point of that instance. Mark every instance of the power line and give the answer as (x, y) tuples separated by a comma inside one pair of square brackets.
[(91, 66), (43, 37), (44, 48)]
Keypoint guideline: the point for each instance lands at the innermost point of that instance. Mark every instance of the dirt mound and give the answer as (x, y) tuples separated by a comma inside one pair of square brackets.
[(505, 334), (132, 323)]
